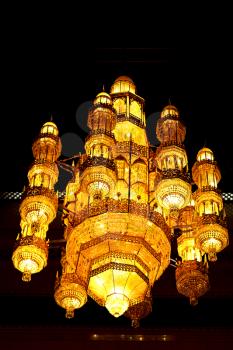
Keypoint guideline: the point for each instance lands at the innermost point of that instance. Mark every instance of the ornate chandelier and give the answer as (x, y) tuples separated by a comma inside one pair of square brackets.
[(124, 204)]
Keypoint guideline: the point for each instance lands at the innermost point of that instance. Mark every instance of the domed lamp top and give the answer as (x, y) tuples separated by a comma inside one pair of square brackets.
[(169, 110), (205, 154), (103, 98), (49, 128), (123, 84)]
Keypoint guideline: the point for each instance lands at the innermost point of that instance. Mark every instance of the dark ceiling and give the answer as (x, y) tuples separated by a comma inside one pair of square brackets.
[(63, 83)]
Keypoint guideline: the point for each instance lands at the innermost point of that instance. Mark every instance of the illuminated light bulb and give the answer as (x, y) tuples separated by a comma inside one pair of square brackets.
[(174, 200), (28, 267), (71, 303), (117, 304), (214, 244)]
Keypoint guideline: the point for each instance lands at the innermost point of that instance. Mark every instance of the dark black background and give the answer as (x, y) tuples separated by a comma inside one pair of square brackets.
[(41, 79)]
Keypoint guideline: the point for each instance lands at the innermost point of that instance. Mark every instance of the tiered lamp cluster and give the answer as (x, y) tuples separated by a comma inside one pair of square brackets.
[(121, 209), (39, 205)]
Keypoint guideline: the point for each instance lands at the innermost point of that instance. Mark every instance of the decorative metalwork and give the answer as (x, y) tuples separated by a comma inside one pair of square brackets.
[(40, 191), (49, 136), (139, 310), (192, 280), (212, 219), (97, 161), (123, 238), (131, 118), (120, 255), (175, 173), (121, 267), (120, 206), (32, 240), (170, 143), (99, 132), (30, 255), (209, 188), (70, 293), (137, 150)]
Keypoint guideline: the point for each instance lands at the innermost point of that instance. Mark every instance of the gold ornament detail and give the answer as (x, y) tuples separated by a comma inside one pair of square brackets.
[(192, 280)]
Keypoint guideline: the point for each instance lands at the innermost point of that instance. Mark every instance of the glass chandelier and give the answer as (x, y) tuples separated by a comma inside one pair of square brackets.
[(124, 203)]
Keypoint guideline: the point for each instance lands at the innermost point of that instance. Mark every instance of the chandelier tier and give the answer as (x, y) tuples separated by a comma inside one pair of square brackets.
[(121, 208), (39, 205)]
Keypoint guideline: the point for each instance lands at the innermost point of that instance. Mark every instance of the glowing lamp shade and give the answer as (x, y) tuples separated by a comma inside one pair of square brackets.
[(39, 209), (117, 304), (205, 154), (187, 249), (29, 260), (116, 287), (28, 265), (212, 238), (139, 310), (36, 216), (70, 296), (192, 280), (173, 193), (98, 181)]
